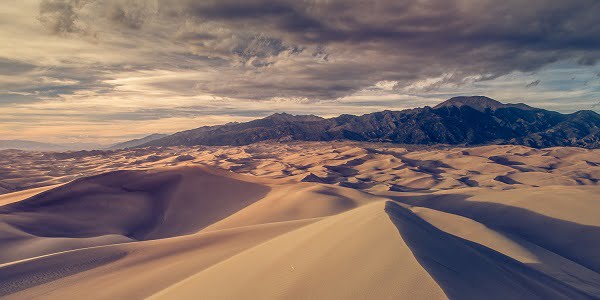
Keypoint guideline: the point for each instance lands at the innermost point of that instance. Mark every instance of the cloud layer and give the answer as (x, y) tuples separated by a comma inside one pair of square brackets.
[(138, 54), (329, 49)]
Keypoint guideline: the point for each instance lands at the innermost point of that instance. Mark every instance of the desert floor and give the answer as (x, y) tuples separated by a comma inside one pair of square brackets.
[(301, 221)]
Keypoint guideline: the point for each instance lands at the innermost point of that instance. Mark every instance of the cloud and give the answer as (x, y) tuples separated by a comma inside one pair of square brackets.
[(324, 50), (155, 59), (14, 67), (60, 16), (533, 84)]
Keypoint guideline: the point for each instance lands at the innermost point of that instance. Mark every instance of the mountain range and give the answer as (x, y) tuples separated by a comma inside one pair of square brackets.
[(137, 142), (473, 120)]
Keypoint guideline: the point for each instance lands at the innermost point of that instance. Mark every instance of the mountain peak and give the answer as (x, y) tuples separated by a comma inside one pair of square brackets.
[(280, 115), (480, 103), (289, 117)]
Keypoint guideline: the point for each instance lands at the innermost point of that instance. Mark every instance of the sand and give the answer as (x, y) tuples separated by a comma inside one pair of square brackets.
[(301, 221), (364, 166)]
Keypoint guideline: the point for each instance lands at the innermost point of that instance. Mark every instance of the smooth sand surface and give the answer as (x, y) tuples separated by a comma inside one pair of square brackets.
[(302, 221)]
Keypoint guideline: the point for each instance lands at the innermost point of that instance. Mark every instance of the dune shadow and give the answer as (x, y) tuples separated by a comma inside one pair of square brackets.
[(505, 161), (136, 204), (576, 242), (467, 270), (468, 181), (343, 170)]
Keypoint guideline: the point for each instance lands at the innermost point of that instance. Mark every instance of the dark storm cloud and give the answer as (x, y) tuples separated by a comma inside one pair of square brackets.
[(120, 15), (539, 24), (34, 83), (329, 49), (12, 98), (13, 67), (60, 16), (533, 84)]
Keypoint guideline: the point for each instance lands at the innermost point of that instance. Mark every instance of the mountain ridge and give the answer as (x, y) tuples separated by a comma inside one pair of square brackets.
[(481, 103), (473, 120), (137, 142)]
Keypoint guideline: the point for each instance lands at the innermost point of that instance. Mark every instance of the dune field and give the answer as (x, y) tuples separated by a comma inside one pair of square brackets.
[(302, 220)]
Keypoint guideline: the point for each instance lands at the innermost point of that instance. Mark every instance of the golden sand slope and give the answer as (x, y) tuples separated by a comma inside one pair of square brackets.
[(198, 232)]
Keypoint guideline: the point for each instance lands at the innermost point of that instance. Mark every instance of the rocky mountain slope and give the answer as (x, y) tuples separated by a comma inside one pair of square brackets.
[(137, 142), (457, 121)]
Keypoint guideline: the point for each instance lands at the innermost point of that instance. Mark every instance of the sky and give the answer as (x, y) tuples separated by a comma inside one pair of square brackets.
[(105, 71)]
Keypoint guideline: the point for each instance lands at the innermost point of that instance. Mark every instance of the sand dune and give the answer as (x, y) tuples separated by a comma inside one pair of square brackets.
[(337, 221), (368, 167), (357, 254)]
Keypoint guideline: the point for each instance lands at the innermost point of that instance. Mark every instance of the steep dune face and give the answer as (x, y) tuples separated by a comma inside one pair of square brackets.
[(124, 206), (197, 231), (354, 255), (468, 270), (137, 204), (421, 262), (513, 246), (559, 218)]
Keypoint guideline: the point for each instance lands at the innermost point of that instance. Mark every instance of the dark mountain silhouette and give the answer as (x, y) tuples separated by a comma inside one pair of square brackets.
[(457, 121), (480, 103), (137, 142)]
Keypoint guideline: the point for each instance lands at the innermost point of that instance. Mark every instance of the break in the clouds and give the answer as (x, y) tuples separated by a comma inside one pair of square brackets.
[(115, 58)]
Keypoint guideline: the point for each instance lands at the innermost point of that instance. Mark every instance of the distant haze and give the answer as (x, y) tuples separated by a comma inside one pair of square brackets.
[(40, 146)]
